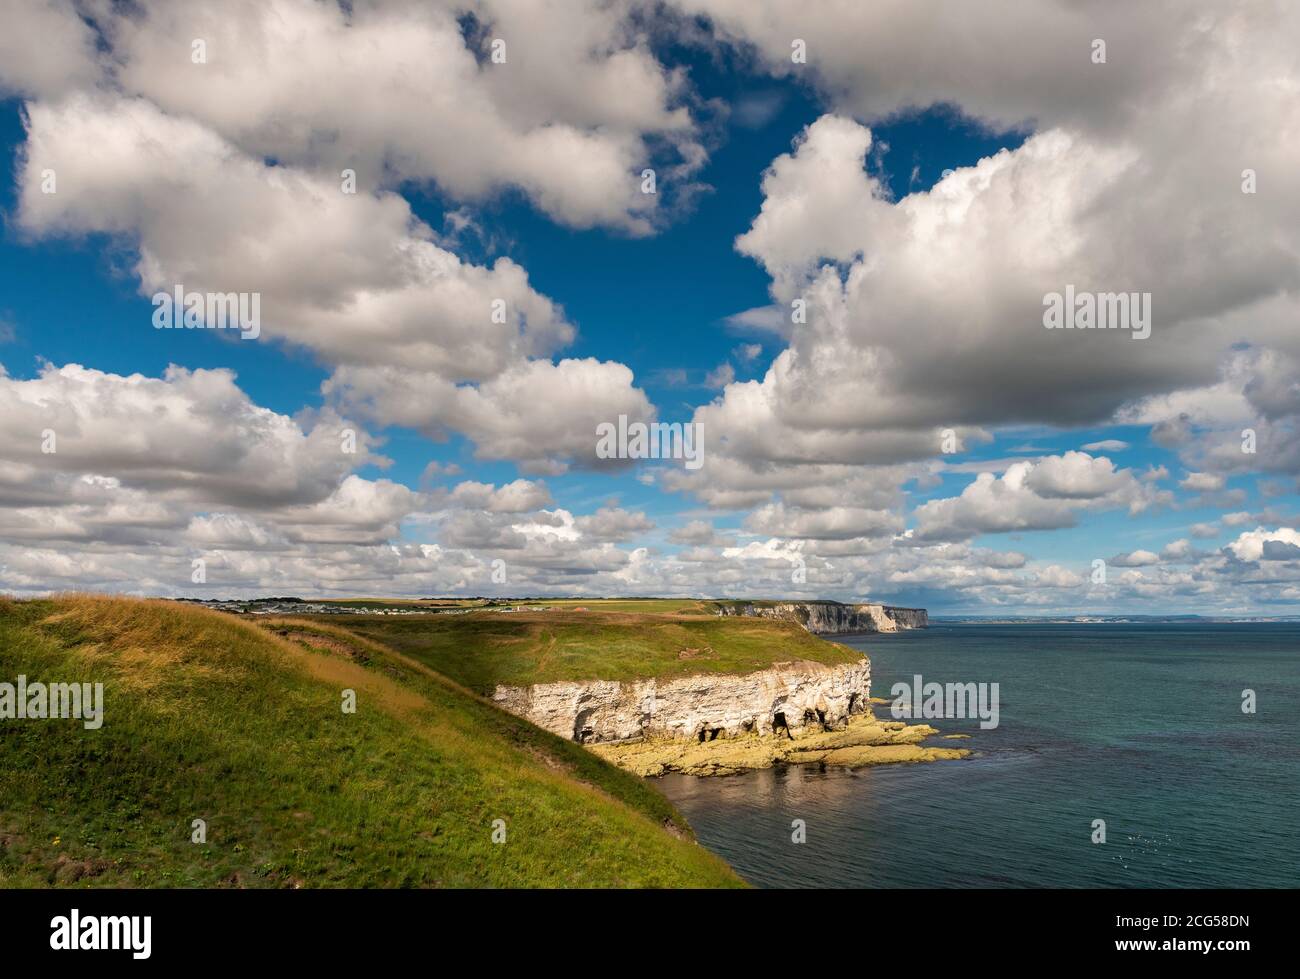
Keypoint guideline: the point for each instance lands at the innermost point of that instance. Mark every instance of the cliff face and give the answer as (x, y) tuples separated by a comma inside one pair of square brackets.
[(794, 697), (828, 618), (908, 618)]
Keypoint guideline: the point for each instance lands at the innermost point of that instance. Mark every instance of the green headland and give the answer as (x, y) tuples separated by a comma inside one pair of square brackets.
[(240, 723)]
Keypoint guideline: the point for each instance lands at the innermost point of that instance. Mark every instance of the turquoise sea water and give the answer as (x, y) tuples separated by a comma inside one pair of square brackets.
[(1138, 725)]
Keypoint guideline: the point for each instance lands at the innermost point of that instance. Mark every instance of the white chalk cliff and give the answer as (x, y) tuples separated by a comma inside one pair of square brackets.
[(829, 618), (787, 697)]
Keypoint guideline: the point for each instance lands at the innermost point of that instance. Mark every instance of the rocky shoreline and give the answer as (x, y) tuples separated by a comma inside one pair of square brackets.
[(864, 740), (788, 698), (721, 724)]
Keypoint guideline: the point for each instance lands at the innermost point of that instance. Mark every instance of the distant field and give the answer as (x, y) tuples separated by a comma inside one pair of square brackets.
[(484, 648), (687, 606), (413, 602), (737, 603), (238, 722), (681, 605)]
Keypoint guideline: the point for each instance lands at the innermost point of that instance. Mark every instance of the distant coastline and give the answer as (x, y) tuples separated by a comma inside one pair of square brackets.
[(277, 605), (1085, 619)]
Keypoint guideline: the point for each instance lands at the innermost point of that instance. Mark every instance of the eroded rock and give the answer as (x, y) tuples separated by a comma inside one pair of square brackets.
[(865, 740), (788, 699)]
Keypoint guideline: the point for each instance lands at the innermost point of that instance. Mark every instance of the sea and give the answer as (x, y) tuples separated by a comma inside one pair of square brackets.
[(1134, 730)]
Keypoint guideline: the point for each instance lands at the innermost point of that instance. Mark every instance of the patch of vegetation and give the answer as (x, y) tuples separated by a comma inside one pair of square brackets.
[(484, 648), (210, 716), (736, 604), (653, 606), (433, 604)]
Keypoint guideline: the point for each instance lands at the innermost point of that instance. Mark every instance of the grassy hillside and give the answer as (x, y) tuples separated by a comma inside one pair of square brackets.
[(213, 717), (483, 648)]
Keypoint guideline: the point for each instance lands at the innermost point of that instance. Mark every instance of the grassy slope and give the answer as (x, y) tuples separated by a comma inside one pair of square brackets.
[(210, 716), (482, 649)]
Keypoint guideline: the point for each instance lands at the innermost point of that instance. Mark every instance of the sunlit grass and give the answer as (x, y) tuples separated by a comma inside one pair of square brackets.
[(213, 717), (484, 648)]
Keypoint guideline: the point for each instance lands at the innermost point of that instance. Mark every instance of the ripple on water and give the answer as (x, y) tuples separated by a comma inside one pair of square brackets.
[(1150, 739)]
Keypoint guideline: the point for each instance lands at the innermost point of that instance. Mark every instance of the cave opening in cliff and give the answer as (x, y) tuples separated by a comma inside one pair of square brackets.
[(780, 726), (853, 703), (821, 717)]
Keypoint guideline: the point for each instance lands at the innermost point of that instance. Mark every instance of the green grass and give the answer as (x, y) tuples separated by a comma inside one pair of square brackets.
[(413, 603), (214, 717), (483, 649), (738, 603), (651, 605), (684, 606)]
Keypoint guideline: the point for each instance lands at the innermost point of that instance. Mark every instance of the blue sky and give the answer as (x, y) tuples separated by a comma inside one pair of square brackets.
[(875, 190)]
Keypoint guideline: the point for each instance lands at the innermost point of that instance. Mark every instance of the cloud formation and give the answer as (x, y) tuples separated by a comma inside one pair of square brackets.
[(900, 334)]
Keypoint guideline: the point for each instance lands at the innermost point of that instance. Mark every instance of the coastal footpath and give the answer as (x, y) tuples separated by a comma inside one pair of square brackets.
[(832, 618)]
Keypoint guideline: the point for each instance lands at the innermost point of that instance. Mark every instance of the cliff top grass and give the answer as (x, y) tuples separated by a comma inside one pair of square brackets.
[(484, 648), (740, 603), (680, 605), (210, 716)]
